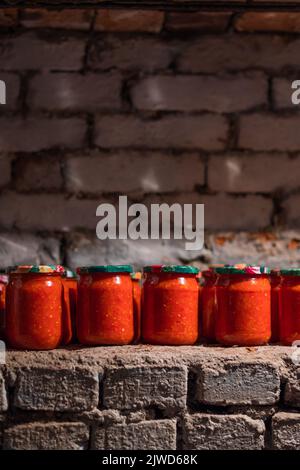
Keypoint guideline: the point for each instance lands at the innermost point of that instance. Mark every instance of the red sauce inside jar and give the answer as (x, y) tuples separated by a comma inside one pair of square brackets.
[(275, 302), (289, 307), (3, 283), (34, 308), (208, 305), (70, 304), (244, 308), (170, 306), (105, 305), (137, 300)]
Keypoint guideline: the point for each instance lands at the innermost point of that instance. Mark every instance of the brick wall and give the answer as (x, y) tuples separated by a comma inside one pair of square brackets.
[(176, 107), (151, 398)]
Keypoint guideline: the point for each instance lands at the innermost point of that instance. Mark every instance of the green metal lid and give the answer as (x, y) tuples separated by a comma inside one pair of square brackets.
[(243, 269), (290, 272), (118, 268), (182, 269)]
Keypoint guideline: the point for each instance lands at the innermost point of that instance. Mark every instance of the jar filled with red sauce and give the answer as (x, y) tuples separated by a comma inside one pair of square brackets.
[(137, 299), (289, 307), (275, 278), (208, 305), (3, 284), (244, 306), (34, 307), (105, 305), (170, 305), (70, 304)]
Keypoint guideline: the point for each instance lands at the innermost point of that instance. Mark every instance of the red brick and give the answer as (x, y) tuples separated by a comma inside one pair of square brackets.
[(153, 172), (212, 54), (38, 174), (64, 91), (148, 21), (259, 173), (27, 51), (8, 17), (227, 93), (183, 132), (5, 170), (282, 94), (288, 22), (197, 21), (291, 208), (47, 212), (39, 133), (131, 54), (61, 19), (269, 132), (12, 83)]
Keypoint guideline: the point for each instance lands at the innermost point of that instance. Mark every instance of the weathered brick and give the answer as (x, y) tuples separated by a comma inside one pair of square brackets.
[(73, 18), (197, 21), (28, 249), (136, 53), (282, 94), (261, 173), (5, 170), (238, 383), (3, 395), (83, 249), (129, 21), (75, 92), (191, 93), (47, 436), (291, 210), (51, 212), (286, 431), (212, 54), (226, 432), (8, 17), (36, 174), (153, 172), (146, 435), (287, 22), (269, 132), (223, 211), (58, 53), (207, 132), (34, 134), (12, 83), (56, 389), (138, 387), (292, 391)]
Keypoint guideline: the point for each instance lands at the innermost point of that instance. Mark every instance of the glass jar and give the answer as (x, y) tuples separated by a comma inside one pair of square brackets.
[(275, 278), (170, 305), (3, 284), (244, 306), (137, 299), (105, 305), (289, 307), (70, 303), (34, 307), (208, 305)]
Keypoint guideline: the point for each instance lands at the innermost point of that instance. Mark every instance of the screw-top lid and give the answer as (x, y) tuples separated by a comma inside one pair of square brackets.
[(119, 268), (38, 269), (69, 274), (243, 269), (182, 269), (290, 272)]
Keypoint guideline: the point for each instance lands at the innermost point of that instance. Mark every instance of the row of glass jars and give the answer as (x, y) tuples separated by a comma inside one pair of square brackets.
[(231, 305)]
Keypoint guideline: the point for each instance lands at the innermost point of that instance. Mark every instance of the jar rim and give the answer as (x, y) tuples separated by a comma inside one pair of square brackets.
[(172, 268), (243, 269)]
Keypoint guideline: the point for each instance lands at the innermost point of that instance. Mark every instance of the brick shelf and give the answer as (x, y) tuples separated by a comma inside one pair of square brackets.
[(151, 397)]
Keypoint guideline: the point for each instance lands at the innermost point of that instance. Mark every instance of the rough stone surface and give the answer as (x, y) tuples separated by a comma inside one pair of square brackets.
[(146, 435), (286, 431), (292, 390), (138, 387), (226, 432), (3, 395), (239, 384), (59, 390), (5, 170), (47, 436)]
